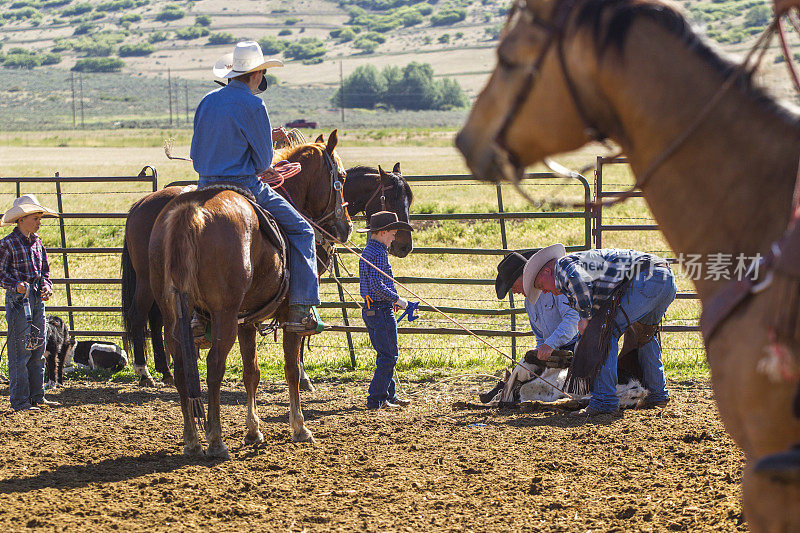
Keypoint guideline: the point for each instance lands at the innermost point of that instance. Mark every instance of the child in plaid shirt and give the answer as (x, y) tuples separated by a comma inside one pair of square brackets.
[(380, 297), (24, 270)]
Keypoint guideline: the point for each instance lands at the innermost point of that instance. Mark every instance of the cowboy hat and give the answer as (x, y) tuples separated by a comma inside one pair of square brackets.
[(385, 221), (245, 58), (27, 204), (509, 270), (535, 264)]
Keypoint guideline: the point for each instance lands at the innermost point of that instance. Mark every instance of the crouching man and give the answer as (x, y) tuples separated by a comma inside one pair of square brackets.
[(615, 289), (553, 321)]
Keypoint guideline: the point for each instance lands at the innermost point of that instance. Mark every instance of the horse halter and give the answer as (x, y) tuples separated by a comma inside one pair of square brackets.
[(509, 161), (336, 204), (381, 188)]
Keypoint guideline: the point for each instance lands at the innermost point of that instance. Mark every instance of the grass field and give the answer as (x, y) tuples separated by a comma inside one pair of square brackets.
[(125, 152)]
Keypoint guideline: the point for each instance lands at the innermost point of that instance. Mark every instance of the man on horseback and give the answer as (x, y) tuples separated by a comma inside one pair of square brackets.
[(616, 290), (232, 143)]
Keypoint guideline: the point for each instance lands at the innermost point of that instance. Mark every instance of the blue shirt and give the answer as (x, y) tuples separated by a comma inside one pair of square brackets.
[(232, 134), (553, 321), (589, 277), (373, 283)]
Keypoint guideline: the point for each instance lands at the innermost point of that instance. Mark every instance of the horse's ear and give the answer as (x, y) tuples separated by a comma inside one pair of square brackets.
[(383, 174), (396, 169), (320, 139), (333, 140)]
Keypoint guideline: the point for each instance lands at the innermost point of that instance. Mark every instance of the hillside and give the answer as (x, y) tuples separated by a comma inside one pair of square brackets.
[(318, 40)]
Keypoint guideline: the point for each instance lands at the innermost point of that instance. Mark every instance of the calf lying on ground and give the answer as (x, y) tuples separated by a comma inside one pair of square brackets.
[(102, 355), (58, 349)]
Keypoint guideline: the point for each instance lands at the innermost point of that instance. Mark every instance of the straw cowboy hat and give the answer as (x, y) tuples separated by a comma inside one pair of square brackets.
[(385, 221), (246, 57), (27, 204), (535, 264)]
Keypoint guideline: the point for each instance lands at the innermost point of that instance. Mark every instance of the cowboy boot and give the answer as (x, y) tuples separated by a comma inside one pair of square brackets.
[(304, 320), (488, 396), (200, 331)]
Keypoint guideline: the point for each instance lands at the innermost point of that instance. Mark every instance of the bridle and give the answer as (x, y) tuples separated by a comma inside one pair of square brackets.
[(336, 206), (381, 188)]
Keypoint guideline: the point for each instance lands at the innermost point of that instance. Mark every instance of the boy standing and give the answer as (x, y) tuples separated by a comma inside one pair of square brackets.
[(380, 297), (24, 271)]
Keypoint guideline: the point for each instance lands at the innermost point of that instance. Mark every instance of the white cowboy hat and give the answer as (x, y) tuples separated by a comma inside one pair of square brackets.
[(246, 57), (27, 204), (535, 264)]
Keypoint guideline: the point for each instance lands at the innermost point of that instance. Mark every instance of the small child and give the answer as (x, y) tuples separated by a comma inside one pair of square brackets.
[(381, 298), (24, 270)]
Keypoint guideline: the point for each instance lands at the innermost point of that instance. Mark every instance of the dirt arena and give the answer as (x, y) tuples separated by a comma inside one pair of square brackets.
[(110, 458)]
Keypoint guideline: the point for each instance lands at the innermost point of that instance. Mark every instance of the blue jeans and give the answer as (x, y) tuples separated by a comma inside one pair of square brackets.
[(382, 329), (303, 280), (646, 301), (25, 367)]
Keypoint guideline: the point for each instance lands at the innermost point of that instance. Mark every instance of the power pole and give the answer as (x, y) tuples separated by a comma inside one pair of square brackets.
[(341, 90), (186, 94), (72, 84), (80, 81), (169, 89)]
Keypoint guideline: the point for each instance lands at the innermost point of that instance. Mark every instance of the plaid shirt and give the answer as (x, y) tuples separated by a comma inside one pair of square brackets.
[(373, 283), (23, 259), (589, 277)]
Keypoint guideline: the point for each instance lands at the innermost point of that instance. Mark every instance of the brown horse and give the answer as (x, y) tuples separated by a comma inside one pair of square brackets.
[(634, 71), (137, 297), (206, 246)]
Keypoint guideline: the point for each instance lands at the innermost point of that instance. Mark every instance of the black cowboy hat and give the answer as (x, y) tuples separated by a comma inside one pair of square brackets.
[(509, 270), (385, 221)]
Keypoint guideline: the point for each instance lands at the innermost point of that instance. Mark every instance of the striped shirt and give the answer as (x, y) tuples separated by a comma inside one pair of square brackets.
[(373, 283), (589, 277), (23, 259)]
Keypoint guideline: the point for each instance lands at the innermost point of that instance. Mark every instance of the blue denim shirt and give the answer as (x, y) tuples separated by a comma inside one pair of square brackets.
[(232, 134), (553, 321)]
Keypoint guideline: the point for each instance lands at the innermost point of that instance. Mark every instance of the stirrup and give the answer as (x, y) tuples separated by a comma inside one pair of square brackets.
[(311, 324)]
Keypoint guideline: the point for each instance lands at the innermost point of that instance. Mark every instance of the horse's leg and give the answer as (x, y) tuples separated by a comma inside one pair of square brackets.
[(251, 375), (143, 301), (224, 328), (191, 441), (305, 381), (291, 368), (157, 338)]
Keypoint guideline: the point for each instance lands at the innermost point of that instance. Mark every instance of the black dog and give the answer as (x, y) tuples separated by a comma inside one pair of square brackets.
[(58, 348), (100, 355)]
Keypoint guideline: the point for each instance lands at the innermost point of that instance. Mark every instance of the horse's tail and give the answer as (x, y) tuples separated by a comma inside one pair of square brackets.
[(128, 293), (183, 225)]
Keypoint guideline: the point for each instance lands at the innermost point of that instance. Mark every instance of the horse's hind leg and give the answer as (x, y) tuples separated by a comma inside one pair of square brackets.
[(305, 381), (191, 441), (224, 328), (291, 368), (143, 301), (251, 375), (157, 338)]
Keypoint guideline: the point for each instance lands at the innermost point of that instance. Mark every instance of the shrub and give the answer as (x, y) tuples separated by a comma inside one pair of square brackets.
[(24, 3), (375, 36), (202, 20), (115, 5), (272, 45), (83, 28), (424, 8), (335, 33), (444, 38), (22, 14), (20, 61), (140, 49), (99, 64), (192, 32), (130, 17), (305, 48), (410, 17), (96, 16), (447, 16), (51, 59), (76, 9), (285, 31), (60, 44), (221, 38), (55, 3), (157, 37), (291, 21), (346, 36), (757, 16), (170, 12), (363, 88), (365, 44)]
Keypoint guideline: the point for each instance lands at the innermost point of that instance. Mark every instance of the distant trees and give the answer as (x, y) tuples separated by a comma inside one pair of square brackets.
[(170, 12), (305, 48), (99, 64), (27, 59), (221, 38), (410, 87), (140, 49)]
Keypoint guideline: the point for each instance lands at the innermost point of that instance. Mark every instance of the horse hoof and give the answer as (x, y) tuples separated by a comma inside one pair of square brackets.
[(305, 385), (258, 438), (168, 380), (218, 452), (193, 452), (147, 381), (304, 436)]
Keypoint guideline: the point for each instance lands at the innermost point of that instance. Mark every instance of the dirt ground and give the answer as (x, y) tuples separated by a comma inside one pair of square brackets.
[(110, 458)]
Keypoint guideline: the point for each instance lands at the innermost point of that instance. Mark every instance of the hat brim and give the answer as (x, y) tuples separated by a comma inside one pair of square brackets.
[(502, 288), (222, 70), (394, 225), (535, 264), (15, 213)]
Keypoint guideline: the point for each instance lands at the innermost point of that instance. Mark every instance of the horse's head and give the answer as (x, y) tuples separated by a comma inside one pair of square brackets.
[(371, 190), (537, 101), (318, 190)]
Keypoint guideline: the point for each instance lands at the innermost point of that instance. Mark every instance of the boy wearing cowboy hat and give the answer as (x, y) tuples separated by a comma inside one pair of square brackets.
[(380, 297), (232, 143), (590, 277), (24, 270)]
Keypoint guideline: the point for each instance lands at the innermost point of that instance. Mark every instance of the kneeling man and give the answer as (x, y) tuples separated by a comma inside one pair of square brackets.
[(640, 286)]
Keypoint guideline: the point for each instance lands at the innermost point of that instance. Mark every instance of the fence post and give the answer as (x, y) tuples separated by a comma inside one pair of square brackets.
[(598, 200), (344, 310), (64, 253), (504, 240)]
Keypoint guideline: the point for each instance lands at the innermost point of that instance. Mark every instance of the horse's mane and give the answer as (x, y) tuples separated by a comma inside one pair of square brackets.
[(398, 181), (611, 20), (289, 151)]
